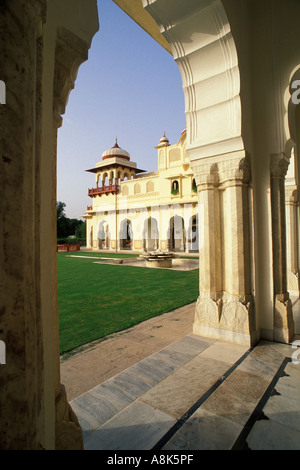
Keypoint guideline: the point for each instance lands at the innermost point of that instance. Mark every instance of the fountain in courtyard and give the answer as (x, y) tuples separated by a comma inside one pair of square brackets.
[(157, 259)]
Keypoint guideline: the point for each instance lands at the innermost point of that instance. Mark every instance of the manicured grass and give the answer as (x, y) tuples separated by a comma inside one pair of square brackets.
[(98, 299)]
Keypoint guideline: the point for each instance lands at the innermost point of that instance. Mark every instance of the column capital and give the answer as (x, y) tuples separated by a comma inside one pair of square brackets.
[(291, 195), (279, 165), (222, 170)]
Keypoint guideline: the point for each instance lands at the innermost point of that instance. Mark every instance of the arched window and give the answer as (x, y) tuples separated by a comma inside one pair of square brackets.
[(194, 185), (150, 187), (175, 187), (125, 190), (137, 188), (105, 179)]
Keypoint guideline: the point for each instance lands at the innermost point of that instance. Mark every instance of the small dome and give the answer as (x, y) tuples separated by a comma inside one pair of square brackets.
[(115, 151), (164, 140)]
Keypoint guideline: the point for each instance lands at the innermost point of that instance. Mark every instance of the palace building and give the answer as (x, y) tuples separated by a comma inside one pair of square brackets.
[(240, 66), (135, 210)]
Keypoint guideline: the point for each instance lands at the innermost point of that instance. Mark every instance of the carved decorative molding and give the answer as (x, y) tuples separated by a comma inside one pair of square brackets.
[(71, 52), (279, 165), (235, 168), (291, 195), (203, 47)]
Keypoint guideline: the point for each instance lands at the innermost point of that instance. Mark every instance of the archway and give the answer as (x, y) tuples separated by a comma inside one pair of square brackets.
[(177, 237), (103, 235), (56, 39), (126, 235), (192, 240), (150, 234)]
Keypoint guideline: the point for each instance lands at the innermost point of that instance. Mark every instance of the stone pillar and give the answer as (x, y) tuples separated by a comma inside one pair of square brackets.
[(225, 307), (21, 378), (292, 227), (39, 73), (283, 318)]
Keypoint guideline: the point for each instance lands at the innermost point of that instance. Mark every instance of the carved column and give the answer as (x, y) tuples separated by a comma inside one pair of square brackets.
[(225, 307), (292, 227), (283, 319), (70, 52), (21, 378)]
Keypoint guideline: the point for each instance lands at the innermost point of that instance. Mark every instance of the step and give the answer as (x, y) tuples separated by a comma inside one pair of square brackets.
[(195, 394)]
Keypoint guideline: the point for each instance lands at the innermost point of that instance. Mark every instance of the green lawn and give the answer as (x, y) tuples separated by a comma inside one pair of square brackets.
[(99, 299)]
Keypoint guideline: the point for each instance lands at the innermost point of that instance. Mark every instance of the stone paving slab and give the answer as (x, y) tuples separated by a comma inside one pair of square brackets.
[(142, 399), (237, 397), (269, 435), (101, 403), (220, 420), (102, 360), (263, 361), (195, 378), (280, 427), (283, 411), (138, 427), (205, 431), (228, 353)]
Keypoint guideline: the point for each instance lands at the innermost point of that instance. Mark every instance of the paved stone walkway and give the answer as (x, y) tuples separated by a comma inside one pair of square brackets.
[(102, 360), (159, 387)]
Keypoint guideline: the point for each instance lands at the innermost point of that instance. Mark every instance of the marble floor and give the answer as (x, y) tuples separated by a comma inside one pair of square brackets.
[(198, 394)]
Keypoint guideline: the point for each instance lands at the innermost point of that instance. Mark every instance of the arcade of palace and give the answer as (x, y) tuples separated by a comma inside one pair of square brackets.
[(144, 211), (240, 66)]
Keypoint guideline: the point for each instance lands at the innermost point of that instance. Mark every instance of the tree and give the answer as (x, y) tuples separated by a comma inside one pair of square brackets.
[(60, 210), (68, 227), (80, 231)]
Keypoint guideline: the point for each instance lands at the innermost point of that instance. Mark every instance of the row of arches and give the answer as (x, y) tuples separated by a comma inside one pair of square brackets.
[(139, 188), (114, 177), (180, 236)]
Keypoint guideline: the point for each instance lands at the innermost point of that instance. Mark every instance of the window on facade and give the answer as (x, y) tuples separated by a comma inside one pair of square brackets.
[(194, 185), (174, 155), (137, 188), (125, 190), (175, 187), (150, 187)]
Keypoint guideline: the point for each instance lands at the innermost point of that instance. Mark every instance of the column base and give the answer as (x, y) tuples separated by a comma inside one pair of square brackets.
[(228, 318), (284, 328), (67, 428)]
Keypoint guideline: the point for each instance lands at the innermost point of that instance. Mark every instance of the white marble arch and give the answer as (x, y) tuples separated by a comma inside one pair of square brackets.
[(236, 65), (203, 47), (235, 72)]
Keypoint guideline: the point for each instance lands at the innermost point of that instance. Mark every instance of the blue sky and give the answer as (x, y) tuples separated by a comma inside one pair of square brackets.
[(130, 88)]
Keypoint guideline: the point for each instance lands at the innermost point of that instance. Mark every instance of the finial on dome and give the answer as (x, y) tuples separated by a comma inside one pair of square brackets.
[(116, 144)]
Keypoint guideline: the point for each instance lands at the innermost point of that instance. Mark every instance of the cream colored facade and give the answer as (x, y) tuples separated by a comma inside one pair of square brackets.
[(134, 210), (240, 68)]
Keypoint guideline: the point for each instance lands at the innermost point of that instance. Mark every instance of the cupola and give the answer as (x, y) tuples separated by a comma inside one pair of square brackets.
[(115, 151)]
